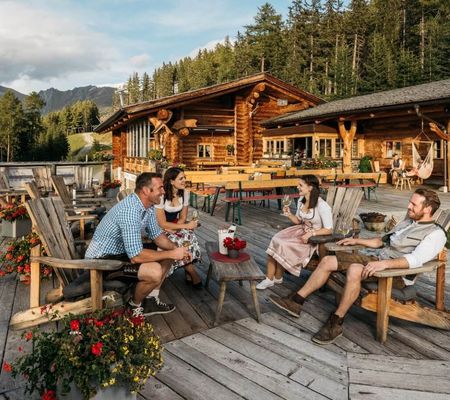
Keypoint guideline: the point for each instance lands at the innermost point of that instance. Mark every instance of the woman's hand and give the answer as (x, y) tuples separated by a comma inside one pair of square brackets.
[(306, 237), (192, 224), (287, 211)]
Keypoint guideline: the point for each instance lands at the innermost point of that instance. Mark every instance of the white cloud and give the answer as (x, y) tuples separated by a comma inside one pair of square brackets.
[(208, 46), (38, 45), (140, 61)]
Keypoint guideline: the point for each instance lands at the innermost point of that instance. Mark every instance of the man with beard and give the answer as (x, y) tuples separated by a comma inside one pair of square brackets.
[(413, 242)]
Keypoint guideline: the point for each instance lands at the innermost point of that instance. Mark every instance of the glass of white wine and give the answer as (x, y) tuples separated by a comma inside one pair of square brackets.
[(286, 201), (344, 228), (195, 217)]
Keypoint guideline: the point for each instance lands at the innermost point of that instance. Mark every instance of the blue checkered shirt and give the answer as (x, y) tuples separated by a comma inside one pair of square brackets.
[(120, 230)]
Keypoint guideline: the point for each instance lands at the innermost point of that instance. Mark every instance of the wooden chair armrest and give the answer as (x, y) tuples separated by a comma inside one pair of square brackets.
[(72, 218), (79, 209), (338, 247), (430, 266), (86, 263)]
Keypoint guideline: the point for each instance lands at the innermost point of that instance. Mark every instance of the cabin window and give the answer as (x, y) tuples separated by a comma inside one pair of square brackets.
[(138, 138), (339, 153), (325, 147), (275, 146), (204, 151), (393, 147), (439, 149)]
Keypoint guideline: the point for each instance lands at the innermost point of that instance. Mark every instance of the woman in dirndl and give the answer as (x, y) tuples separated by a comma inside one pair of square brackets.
[(171, 214), (289, 249)]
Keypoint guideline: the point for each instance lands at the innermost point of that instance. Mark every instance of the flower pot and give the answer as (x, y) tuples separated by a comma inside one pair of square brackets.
[(114, 392), (233, 253), (17, 228), (112, 193)]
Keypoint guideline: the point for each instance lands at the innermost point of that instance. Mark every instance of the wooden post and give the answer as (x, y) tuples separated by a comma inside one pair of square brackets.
[(35, 284), (347, 138), (96, 289), (384, 298), (440, 281)]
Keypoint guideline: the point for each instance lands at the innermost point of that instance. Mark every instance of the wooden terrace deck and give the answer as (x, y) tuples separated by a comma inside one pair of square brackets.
[(276, 358)]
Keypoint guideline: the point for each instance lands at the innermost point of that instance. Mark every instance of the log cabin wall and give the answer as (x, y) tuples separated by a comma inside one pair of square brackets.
[(117, 148), (268, 108), (375, 146)]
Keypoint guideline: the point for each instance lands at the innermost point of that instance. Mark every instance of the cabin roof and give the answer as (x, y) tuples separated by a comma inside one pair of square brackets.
[(424, 94), (193, 96)]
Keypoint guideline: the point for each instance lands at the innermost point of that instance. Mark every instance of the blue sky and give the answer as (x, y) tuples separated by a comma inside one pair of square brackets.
[(69, 43)]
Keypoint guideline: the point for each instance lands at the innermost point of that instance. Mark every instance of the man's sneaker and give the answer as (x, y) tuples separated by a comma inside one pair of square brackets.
[(135, 311), (287, 304), (330, 331), (152, 305)]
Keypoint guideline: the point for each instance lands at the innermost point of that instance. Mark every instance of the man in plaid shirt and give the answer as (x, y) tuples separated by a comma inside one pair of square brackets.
[(119, 236)]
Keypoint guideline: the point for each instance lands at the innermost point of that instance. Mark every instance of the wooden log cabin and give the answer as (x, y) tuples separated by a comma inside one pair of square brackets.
[(208, 127), (378, 125)]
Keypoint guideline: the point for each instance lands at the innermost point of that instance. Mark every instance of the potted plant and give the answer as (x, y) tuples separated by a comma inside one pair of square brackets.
[(16, 258), (15, 220), (104, 351), (234, 245), (111, 188), (365, 165), (230, 149)]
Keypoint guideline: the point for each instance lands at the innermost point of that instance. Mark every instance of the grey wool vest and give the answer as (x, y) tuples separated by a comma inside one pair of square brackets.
[(405, 242)]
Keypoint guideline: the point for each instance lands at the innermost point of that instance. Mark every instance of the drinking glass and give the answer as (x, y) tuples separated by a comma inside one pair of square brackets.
[(287, 201), (195, 217), (344, 228)]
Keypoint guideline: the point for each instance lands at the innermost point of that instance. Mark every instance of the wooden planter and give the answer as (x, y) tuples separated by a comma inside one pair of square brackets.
[(18, 228)]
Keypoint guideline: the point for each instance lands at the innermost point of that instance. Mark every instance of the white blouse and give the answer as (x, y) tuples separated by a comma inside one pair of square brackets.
[(319, 217), (166, 205)]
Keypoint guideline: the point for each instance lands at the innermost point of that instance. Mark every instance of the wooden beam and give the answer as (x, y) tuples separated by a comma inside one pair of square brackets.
[(347, 138)]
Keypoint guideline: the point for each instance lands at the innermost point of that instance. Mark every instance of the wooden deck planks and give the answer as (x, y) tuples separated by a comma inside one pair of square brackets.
[(274, 359)]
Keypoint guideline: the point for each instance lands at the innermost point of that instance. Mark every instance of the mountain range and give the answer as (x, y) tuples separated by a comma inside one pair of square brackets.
[(56, 99)]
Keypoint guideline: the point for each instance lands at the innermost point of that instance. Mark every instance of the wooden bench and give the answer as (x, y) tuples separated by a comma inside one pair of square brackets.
[(240, 188), (224, 272)]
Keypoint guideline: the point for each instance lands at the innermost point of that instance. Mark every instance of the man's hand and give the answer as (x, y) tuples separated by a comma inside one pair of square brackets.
[(372, 267), (347, 242), (181, 253)]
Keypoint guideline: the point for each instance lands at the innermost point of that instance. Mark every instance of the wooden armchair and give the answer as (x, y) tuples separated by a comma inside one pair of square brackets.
[(61, 190), (49, 222), (386, 301)]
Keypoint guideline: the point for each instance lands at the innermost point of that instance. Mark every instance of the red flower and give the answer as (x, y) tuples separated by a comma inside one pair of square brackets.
[(137, 321), (98, 323), (234, 244), (28, 336), (49, 395), (7, 367), (75, 325), (96, 349)]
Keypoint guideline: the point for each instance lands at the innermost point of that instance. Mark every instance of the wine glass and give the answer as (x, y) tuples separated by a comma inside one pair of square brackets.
[(195, 217), (344, 228), (287, 201)]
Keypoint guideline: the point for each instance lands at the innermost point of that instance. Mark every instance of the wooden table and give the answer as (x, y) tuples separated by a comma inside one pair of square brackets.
[(224, 272)]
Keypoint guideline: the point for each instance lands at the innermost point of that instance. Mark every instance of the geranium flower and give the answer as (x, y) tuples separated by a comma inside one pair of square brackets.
[(75, 325), (49, 395), (96, 349), (7, 367)]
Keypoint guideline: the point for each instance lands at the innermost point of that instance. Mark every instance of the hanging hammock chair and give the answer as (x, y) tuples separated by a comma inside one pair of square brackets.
[(424, 168)]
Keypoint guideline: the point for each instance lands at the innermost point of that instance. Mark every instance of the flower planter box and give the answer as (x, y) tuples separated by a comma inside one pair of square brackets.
[(18, 228), (112, 193), (110, 393)]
